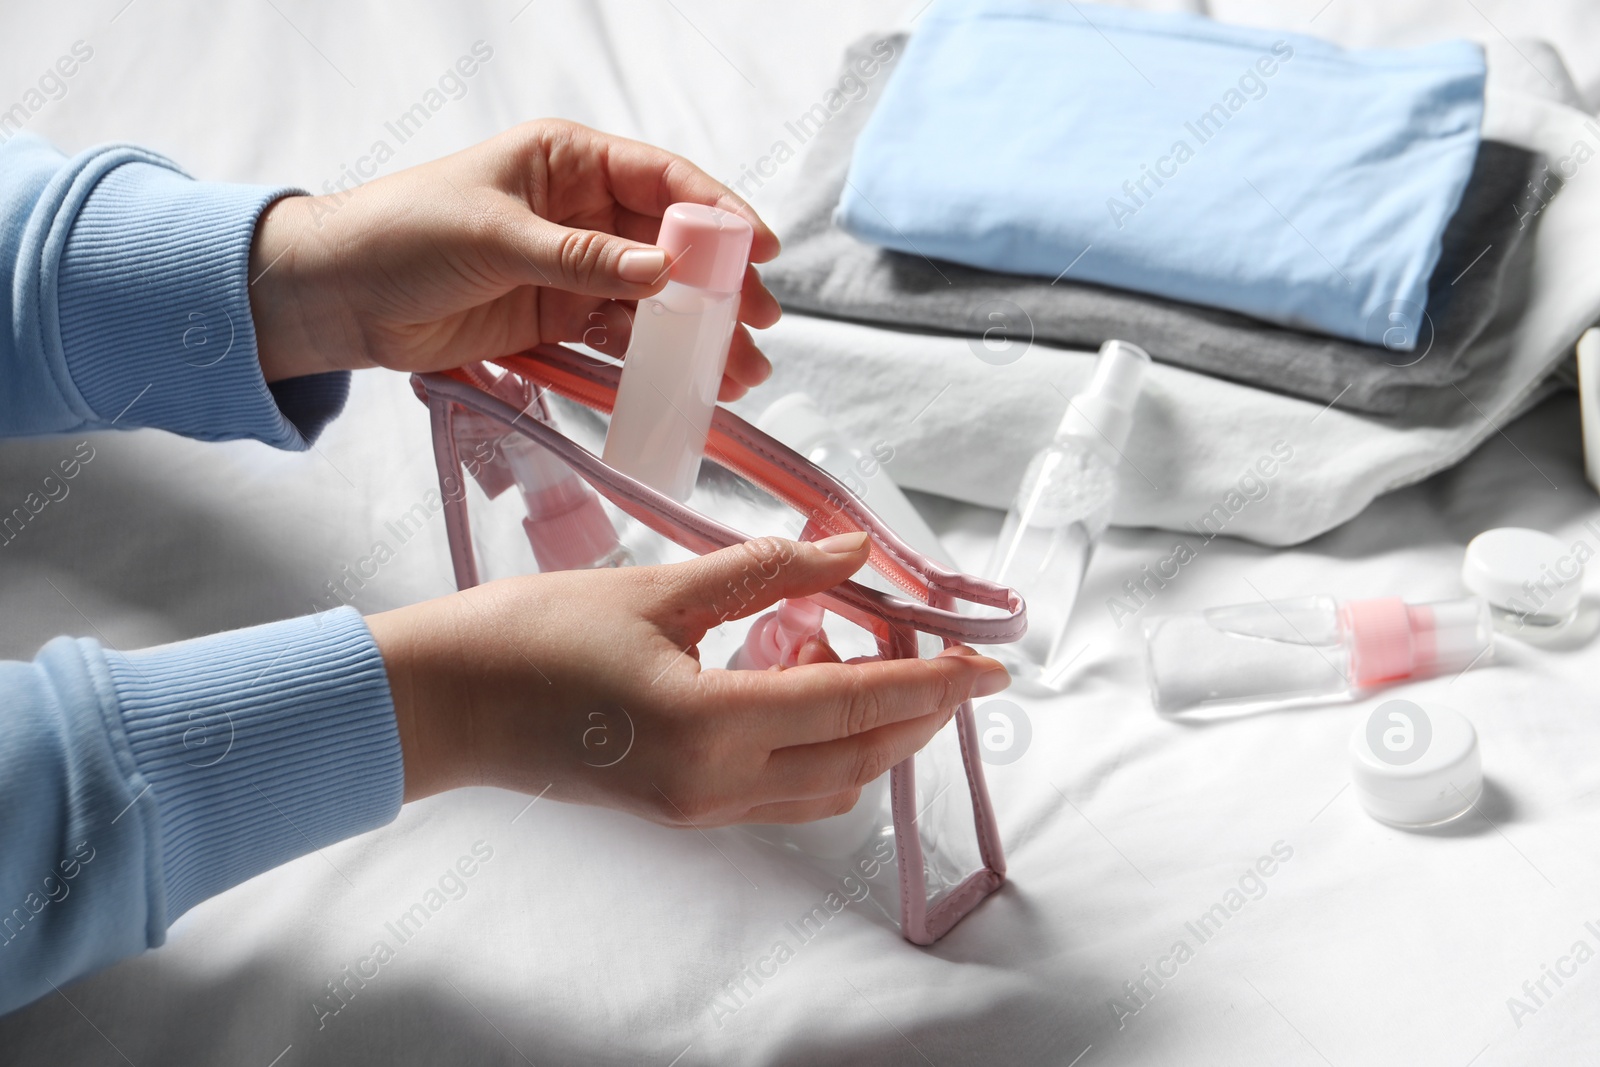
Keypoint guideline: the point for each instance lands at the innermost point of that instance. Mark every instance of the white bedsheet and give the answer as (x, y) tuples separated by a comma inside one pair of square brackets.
[(593, 938)]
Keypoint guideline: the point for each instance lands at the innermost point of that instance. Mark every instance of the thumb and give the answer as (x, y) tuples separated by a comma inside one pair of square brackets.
[(744, 579), (592, 262)]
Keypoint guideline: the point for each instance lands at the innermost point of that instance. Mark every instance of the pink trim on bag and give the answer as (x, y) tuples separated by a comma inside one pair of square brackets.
[(830, 508)]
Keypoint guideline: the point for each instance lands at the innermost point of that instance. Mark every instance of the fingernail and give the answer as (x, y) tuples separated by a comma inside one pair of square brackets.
[(958, 650), (641, 264), (991, 682), (845, 544), (815, 650)]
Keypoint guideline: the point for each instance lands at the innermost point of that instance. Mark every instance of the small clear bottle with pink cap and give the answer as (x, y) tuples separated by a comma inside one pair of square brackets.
[(775, 640), (1308, 650), (678, 350)]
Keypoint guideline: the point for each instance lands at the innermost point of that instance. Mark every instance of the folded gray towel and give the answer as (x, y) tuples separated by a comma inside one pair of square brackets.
[(825, 271)]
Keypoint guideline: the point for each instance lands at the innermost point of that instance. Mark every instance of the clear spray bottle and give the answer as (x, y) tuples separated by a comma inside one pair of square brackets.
[(1063, 507), (797, 421), (566, 524), (1311, 649)]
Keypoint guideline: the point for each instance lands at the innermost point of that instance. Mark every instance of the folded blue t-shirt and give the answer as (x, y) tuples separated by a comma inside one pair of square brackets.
[(1264, 172)]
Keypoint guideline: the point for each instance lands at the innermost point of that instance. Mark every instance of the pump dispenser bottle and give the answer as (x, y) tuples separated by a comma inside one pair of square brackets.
[(678, 350), (1063, 507)]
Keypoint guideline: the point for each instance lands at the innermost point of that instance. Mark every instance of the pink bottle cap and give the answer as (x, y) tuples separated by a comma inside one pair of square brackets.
[(1391, 640), (709, 247), (776, 638), (799, 620)]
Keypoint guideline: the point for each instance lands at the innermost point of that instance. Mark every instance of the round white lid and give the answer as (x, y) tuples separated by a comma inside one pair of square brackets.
[(1413, 766), (1522, 571)]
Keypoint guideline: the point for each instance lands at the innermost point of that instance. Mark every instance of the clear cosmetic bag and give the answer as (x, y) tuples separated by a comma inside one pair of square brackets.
[(523, 488)]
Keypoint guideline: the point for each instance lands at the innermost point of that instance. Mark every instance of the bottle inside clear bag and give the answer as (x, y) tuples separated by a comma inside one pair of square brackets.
[(775, 640), (1062, 508), (796, 420), (566, 524), (563, 521)]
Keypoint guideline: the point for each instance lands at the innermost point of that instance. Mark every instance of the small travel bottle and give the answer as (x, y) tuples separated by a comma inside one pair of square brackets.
[(1307, 650), (678, 350), (775, 640), (1063, 507), (566, 523), (797, 422)]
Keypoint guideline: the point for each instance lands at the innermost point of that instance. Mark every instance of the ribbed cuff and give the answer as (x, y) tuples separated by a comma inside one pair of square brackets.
[(259, 746), (313, 401), (153, 306)]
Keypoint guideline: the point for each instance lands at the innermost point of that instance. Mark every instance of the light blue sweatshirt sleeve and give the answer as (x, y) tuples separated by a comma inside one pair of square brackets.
[(135, 785)]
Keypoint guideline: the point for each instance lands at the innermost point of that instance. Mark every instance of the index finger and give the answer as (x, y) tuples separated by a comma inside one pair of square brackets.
[(827, 701), (648, 180)]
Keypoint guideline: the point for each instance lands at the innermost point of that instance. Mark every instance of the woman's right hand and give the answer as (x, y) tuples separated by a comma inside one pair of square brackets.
[(587, 685), (542, 234)]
